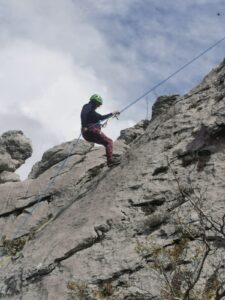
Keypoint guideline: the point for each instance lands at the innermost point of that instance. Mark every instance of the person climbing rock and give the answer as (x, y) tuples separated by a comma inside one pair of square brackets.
[(91, 127)]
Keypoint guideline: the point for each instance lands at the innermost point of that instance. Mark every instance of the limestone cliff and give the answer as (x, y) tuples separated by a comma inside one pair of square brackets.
[(151, 228)]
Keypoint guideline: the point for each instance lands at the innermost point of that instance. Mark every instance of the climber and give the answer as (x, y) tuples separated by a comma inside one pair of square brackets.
[(91, 127)]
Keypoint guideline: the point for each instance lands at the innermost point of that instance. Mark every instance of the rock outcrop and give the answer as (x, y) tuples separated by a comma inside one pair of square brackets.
[(150, 228), (59, 153), (130, 134), (163, 104), (15, 148)]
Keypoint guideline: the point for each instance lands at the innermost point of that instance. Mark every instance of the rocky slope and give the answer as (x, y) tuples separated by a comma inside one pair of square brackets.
[(150, 228)]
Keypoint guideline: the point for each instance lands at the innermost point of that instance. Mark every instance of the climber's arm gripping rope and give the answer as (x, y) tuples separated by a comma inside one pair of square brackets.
[(115, 115)]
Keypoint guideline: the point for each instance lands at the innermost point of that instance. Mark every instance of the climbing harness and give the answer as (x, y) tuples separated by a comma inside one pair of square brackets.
[(152, 89), (103, 125)]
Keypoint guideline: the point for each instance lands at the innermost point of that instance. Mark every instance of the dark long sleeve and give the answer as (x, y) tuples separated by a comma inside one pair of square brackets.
[(101, 117), (89, 116)]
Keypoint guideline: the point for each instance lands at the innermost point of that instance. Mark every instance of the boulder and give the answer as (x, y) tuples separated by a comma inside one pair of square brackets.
[(15, 148)]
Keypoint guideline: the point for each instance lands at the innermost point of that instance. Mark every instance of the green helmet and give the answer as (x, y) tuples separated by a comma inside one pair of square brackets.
[(96, 99)]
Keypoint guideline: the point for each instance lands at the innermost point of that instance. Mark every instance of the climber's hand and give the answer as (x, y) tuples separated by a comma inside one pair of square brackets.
[(116, 114)]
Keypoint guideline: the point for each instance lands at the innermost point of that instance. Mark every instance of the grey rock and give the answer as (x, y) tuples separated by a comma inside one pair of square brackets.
[(15, 148), (6, 163), (59, 153), (6, 176), (88, 232), (151, 223), (163, 104), (130, 134)]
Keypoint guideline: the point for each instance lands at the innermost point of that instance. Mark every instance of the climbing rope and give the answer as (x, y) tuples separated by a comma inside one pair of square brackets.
[(152, 89), (172, 75), (52, 180), (147, 108)]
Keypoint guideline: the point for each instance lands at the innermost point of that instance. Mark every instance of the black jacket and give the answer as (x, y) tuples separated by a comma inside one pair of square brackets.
[(89, 116)]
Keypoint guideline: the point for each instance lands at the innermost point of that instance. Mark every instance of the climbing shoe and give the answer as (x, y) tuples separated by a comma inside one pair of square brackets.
[(113, 162)]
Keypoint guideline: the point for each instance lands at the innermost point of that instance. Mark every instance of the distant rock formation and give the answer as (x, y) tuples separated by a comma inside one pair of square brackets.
[(152, 227), (15, 148)]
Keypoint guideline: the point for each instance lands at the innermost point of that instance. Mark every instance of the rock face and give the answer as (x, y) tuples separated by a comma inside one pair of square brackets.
[(162, 105), (57, 154), (15, 148), (150, 228), (130, 134)]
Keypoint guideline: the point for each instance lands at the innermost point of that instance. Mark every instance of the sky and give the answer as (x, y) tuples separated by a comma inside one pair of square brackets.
[(55, 54)]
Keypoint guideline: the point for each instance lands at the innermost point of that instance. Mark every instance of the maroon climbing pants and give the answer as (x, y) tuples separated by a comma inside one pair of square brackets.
[(94, 135)]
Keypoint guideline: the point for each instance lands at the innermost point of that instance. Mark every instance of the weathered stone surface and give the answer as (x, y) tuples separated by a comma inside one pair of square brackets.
[(88, 232), (15, 148), (5, 161), (6, 176), (162, 104), (59, 153), (130, 134)]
